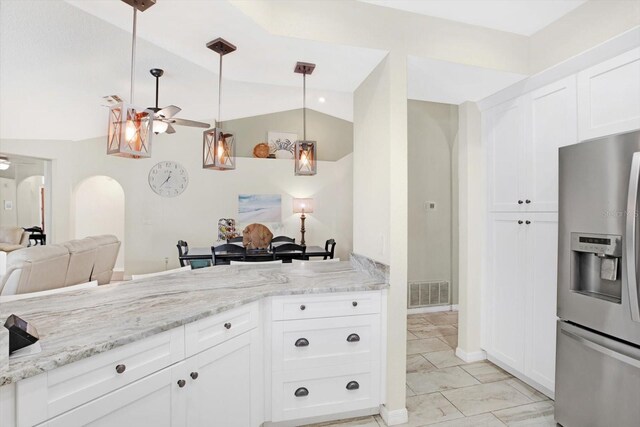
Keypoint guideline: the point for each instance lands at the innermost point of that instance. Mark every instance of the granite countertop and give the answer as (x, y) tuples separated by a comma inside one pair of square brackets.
[(79, 324)]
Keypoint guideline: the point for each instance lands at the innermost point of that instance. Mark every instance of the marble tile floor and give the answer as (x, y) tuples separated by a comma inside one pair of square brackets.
[(444, 391)]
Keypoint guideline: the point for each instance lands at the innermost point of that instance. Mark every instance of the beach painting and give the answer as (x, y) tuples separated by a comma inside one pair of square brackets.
[(259, 208)]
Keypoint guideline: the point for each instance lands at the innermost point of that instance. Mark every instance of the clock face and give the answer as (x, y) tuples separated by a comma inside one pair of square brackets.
[(168, 179)]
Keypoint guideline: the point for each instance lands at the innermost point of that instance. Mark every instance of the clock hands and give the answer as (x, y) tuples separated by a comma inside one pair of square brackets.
[(166, 180)]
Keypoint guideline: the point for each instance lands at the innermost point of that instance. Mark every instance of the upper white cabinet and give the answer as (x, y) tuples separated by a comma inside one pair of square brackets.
[(609, 96), (523, 140)]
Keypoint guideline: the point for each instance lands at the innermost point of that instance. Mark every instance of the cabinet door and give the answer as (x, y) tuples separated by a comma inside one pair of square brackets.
[(541, 291), (507, 284), (551, 113), (609, 97), (227, 389), (505, 135), (153, 401)]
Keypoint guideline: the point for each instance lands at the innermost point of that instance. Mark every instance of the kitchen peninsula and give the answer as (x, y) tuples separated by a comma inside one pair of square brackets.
[(241, 345)]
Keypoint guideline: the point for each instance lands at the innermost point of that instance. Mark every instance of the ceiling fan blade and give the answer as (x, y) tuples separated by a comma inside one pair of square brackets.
[(170, 129), (192, 123), (168, 112)]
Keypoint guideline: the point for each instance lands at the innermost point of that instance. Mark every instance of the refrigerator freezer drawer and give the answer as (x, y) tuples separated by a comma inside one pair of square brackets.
[(597, 380)]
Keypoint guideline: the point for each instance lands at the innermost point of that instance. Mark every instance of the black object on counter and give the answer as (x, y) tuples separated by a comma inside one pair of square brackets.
[(21, 333)]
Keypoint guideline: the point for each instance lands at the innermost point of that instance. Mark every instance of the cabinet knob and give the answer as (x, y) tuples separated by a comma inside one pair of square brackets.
[(520, 222), (301, 392), (302, 342), (527, 201), (227, 325), (355, 303), (353, 385), (121, 368), (303, 307), (194, 375), (527, 222), (520, 202), (181, 383), (353, 338)]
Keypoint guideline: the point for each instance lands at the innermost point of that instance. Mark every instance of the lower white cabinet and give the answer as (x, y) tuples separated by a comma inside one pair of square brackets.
[(521, 295)]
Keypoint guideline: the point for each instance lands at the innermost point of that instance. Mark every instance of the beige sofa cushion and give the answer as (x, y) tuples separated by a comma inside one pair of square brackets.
[(35, 269), (82, 256), (9, 247), (11, 235), (106, 254)]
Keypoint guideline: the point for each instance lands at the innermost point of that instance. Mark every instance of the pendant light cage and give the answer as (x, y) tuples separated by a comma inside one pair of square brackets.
[(306, 163), (130, 128), (218, 146)]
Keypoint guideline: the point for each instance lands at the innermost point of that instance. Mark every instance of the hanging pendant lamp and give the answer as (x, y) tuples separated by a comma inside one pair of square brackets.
[(218, 147), (131, 128), (305, 151)]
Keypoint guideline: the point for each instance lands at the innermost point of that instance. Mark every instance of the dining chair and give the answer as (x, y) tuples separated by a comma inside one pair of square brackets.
[(279, 239), (183, 249), (330, 247), (289, 251), (238, 252), (235, 240)]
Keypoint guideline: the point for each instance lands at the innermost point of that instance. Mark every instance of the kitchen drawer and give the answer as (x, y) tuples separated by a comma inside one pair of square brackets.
[(209, 332), (308, 343), (327, 391), (332, 305), (52, 393)]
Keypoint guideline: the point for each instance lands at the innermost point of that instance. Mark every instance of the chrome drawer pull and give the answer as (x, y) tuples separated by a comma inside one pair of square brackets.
[(353, 385), (301, 392), (121, 368), (181, 383), (302, 307), (353, 338), (227, 325), (302, 342), (194, 375), (355, 303)]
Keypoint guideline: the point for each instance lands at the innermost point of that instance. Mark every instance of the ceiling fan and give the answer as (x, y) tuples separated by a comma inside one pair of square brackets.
[(164, 117)]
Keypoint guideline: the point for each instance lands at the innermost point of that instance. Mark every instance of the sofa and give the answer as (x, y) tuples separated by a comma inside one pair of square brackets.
[(13, 238), (42, 268)]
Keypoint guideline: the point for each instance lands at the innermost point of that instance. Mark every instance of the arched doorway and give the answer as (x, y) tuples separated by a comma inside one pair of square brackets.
[(99, 209)]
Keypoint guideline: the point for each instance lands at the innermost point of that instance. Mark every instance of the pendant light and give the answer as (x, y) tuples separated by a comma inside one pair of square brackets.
[(218, 147), (130, 127), (305, 151)]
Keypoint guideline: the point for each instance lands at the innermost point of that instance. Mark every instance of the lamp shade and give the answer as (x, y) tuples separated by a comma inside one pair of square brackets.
[(302, 205)]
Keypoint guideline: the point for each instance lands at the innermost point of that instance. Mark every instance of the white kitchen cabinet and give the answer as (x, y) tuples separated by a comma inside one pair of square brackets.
[(523, 140), (522, 295), (550, 115), (154, 401), (225, 383), (609, 97)]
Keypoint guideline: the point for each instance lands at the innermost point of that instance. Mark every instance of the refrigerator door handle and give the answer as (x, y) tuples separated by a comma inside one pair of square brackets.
[(601, 349), (630, 238)]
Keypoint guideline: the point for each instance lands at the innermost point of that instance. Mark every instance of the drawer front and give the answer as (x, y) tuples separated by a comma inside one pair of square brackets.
[(209, 332), (302, 344), (311, 393), (59, 390), (317, 306)]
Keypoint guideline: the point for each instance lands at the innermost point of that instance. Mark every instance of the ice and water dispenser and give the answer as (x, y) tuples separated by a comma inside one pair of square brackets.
[(596, 265)]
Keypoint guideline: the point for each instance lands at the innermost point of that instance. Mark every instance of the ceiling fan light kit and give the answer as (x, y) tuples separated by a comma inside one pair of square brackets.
[(130, 128), (218, 147), (305, 151), (4, 163)]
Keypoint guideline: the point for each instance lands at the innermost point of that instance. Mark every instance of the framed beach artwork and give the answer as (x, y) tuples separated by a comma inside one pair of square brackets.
[(259, 208), (282, 144)]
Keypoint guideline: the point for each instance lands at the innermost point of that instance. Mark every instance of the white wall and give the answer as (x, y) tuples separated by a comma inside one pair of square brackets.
[(153, 224), (28, 201), (99, 208), (8, 217)]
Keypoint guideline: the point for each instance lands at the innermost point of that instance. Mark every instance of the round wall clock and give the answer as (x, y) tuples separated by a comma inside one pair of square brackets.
[(168, 179)]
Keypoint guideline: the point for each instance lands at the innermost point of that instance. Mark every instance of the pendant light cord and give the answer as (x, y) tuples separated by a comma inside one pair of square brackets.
[(304, 106), (219, 87), (133, 53)]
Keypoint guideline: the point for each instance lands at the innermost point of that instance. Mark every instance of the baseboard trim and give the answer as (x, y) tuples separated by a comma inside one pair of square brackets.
[(395, 417), (433, 309), (474, 356)]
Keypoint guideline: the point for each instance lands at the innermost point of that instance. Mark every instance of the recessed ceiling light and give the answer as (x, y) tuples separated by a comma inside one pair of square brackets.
[(321, 100)]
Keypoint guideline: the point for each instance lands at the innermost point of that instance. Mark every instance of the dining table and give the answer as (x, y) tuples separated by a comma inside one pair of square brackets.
[(204, 253)]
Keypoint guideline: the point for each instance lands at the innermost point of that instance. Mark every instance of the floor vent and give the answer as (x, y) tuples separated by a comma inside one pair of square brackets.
[(424, 294)]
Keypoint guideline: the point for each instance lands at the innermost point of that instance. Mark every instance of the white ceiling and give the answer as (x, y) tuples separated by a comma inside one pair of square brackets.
[(524, 17), (450, 83)]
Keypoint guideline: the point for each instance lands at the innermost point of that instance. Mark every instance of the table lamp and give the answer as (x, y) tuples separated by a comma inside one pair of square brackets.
[(302, 206)]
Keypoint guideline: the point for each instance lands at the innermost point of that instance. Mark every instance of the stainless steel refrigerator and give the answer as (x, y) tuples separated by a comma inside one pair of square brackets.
[(598, 340)]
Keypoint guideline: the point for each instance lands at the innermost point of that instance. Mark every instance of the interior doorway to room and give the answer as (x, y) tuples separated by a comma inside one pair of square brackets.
[(100, 209)]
